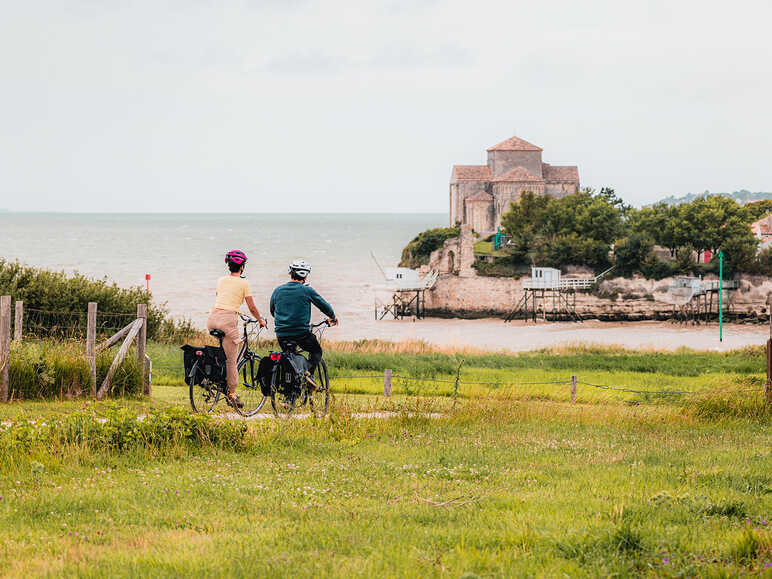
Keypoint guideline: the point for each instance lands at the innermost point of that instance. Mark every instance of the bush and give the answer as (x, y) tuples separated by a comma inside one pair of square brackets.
[(417, 252), (499, 267), (60, 370), (56, 291)]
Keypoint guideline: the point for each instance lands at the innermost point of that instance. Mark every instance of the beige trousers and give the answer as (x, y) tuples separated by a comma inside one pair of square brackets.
[(228, 322)]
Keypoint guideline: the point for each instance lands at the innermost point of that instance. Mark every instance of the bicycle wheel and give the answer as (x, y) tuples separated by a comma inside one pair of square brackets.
[(250, 393), (204, 397), (319, 398), (284, 395)]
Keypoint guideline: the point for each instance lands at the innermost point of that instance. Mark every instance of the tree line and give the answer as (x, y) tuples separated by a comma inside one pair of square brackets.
[(597, 229)]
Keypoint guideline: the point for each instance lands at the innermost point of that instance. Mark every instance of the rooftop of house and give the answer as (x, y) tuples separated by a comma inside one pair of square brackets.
[(763, 226), (514, 144), (481, 196), (563, 173), (472, 172)]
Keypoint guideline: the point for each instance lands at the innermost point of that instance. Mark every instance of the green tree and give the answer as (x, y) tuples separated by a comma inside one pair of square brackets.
[(631, 252), (758, 209)]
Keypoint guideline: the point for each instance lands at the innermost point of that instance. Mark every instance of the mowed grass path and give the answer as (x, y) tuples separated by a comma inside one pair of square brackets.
[(498, 486)]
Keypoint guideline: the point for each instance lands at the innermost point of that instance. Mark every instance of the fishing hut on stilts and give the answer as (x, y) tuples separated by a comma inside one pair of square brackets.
[(408, 298), (696, 301), (549, 296)]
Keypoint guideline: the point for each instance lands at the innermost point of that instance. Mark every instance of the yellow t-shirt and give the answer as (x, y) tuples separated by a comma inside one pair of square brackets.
[(231, 291)]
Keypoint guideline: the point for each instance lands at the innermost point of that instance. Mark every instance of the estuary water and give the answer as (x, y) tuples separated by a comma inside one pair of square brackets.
[(184, 253)]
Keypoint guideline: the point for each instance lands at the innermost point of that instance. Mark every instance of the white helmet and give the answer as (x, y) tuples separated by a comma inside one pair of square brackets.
[(301, 268)]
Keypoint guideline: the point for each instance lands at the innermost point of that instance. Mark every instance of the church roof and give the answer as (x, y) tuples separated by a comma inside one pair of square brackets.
[(563, 173), (517, 175), (481, 196), (514, 144), (472, 172)]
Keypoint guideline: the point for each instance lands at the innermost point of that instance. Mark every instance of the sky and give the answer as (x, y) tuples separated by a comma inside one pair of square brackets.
[(296, 105)]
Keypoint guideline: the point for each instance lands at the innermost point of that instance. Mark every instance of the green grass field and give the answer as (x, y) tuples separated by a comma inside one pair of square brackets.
[(508, 481)]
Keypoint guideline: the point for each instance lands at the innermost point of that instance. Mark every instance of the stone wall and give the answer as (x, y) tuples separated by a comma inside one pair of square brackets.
[(560, 189), (620, 298), (458, 193), (500, 162)]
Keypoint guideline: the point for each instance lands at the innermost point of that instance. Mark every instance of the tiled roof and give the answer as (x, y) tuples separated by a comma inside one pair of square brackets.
[(565, 173), (514, 144), (481, 196), (763, 226), (517, 175), (471, 172)]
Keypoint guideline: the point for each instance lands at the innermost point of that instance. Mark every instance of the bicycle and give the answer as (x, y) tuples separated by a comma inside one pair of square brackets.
[(291, 389), (207, 381)]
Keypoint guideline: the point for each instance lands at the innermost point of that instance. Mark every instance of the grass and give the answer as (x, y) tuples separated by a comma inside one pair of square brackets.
[(502, 484), (485, 248)]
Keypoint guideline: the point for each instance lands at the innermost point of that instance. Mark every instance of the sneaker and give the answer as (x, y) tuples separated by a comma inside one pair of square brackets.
[(235, 401)]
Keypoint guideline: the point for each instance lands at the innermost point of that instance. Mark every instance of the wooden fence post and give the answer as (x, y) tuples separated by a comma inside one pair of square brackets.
[(387, 382), (768, 383), (573, 389), (141, 347), (91, 345), (18, 321), (5, 345)]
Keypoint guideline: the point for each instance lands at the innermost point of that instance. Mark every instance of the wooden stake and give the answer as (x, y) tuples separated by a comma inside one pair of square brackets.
[(115, 338), (573, 389), (18, 321), (768, 383), (141, 346), (91, 345), (5, 346), (105, 387), (387, 382)]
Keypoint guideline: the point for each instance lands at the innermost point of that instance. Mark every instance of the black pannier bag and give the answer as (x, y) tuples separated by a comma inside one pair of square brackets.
[(295, 363), (265, 374), (211, 363)]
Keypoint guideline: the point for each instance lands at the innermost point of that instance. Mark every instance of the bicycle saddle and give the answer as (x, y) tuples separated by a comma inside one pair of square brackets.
[(216, 333)]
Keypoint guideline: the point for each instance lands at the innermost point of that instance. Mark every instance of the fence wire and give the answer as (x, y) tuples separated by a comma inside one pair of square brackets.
[(40, 324), (566, 382)]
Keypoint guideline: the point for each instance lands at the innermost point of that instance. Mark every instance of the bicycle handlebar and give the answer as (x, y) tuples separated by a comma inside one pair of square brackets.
[(320, 324)]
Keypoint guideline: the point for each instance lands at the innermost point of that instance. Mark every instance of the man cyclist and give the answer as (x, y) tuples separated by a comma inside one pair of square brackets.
[(291, 309)]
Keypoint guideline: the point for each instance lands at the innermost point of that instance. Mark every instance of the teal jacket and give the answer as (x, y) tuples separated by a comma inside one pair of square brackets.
[(291, 308)]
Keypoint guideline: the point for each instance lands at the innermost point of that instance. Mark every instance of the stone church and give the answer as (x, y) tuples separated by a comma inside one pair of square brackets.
[(480, 194)]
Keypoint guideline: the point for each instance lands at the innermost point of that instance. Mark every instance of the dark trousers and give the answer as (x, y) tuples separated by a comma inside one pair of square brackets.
[(307, 342)]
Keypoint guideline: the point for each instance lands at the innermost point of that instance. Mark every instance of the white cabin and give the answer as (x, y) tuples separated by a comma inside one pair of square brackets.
[(543, 278)]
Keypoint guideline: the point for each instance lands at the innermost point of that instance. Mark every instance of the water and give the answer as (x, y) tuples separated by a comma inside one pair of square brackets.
[(184, 253)]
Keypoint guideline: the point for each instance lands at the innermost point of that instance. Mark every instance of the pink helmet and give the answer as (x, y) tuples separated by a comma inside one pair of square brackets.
[(236, 256)]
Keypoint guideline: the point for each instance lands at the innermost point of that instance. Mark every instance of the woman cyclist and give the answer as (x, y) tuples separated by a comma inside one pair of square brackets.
[(232, 291)]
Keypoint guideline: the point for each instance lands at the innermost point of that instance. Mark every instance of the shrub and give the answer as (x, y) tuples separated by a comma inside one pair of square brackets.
[(417, 252), (60, 370), (56, 291)]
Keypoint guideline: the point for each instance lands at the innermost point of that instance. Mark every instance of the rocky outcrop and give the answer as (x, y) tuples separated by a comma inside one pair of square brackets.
[(616, 299)]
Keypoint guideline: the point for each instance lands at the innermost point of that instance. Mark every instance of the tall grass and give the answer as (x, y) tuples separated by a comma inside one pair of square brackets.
[(54, 369)]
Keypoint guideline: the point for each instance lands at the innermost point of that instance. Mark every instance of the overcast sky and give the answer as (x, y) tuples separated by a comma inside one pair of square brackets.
[(294, 105)]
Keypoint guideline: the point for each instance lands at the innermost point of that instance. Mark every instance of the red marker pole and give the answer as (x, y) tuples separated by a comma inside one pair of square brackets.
[(147, 281)]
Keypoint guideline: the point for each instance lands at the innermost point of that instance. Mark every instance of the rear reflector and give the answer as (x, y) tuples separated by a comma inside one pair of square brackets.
[(275, 357)]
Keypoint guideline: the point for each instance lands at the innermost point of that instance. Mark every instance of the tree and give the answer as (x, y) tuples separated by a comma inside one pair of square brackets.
[(758, 209), (631, 252)]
